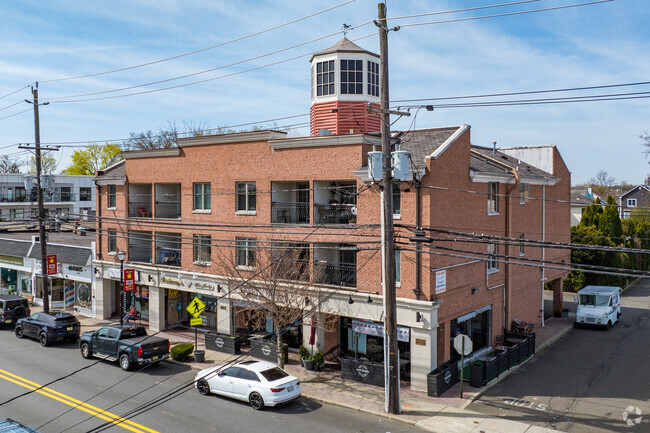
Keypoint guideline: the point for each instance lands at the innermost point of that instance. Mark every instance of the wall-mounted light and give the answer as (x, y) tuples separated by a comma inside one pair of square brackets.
[(219, 288), (474, 290), (149, 278), (369, 300), (418, 317), (351, 301)]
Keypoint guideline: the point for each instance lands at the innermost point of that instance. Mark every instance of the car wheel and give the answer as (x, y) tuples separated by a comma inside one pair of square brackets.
[(203, 386), (609, 324), (42, 338), (125, 362), (19, 331), (85, 351), (256, 401)]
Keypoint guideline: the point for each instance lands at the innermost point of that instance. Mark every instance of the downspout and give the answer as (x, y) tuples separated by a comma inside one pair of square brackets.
[(418, 253), (543, 240), (507, 288), (98, 203)]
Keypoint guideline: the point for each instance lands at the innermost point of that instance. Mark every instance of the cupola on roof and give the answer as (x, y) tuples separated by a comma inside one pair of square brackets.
[(343, 46)]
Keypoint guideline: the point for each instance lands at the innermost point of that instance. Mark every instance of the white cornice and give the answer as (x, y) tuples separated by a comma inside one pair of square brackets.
[(151, 153), (325, 140), (238, 137)]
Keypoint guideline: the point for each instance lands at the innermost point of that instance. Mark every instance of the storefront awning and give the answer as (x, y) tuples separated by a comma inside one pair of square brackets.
[(377, 329), (473, 314)]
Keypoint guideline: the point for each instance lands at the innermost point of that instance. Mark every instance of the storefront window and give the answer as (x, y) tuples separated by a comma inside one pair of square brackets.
[(27, 285), (9, 281), (82, 295), (56, 288), (369, 344), (140, 298), (476, 326)]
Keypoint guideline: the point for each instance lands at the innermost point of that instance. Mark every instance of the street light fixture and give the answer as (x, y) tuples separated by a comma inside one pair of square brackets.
[(121, 255)]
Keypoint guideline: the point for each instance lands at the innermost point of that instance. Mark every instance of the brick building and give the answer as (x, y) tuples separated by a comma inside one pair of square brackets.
[(176, 212)]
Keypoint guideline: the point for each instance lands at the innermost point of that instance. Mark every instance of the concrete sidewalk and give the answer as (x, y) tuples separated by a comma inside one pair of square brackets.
[(444, 414)]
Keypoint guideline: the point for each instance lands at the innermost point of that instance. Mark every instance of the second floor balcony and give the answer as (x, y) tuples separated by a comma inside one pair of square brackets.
[(168, 200), (140, 200), (290, 213)]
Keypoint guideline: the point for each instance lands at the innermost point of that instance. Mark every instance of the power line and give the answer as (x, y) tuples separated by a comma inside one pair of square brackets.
[(16, 91), (16, 114)]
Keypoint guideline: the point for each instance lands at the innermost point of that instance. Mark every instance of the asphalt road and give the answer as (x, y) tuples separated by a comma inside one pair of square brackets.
[(78, 390), (587, 380)]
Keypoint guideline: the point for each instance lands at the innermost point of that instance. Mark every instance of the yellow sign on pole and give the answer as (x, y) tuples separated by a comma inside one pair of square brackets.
[(196, 307), (197, 321)]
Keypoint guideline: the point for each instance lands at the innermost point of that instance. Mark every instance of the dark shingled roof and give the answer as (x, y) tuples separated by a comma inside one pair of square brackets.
[(421, 143), (115, 173), (64, 254), (343, 46), (11, 247), (483, 161)]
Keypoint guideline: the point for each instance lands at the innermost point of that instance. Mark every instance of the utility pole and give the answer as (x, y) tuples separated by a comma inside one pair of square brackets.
[(390, 324), (39, 194)]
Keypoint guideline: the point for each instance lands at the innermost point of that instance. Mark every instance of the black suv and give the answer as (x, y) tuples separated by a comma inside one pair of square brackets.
[(49, 327), (12, 308)]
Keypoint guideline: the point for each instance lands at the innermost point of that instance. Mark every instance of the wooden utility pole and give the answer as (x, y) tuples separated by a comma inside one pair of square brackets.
[(390, 324)]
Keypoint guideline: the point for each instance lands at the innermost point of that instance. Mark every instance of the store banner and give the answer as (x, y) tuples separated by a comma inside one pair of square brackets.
[(129, 280), (51, 265), (377, 329), (441, 281)]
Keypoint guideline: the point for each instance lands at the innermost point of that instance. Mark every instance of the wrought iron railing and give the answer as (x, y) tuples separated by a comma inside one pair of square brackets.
[(335, 213), (289, 213), (344, 274)]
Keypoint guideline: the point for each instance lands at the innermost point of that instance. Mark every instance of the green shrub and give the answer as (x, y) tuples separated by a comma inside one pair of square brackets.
[(181, 351), (318, 357), (303, 352)]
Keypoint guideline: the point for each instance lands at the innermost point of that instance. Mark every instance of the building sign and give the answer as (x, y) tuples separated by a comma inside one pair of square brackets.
[(129, 280), (11, 260), (172, 293), (441, 281), (51, 265), (377, 329), (420, 342)]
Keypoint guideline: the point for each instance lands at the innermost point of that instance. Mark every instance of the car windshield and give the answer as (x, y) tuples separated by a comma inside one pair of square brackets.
[(594, 300), (274, 374)]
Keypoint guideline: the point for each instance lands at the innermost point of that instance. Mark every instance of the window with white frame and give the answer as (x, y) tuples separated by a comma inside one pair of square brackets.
[(373, 78), (397, 200), (246, 195), (493, 198), (112, 241), (202, 196), (492, 264), (398, 266), (524, 192), (631, 202), (351, 77), (245, 252), (325, 78), (202, 249), (626, 214), (111, 196)]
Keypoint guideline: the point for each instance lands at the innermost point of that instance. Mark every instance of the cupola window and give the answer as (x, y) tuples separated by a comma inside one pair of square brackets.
[(373, 78), (325, 78), (351, 77)]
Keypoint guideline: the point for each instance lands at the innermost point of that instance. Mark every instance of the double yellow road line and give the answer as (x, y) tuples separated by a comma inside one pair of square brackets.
[(77, 404)]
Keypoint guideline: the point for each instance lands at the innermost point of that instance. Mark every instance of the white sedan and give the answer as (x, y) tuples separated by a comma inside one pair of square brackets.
[(258, 382)]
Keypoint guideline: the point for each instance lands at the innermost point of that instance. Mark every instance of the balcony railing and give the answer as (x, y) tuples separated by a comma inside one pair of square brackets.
[(290, 213), (344, 274), (31, 198), (335, 213), (168, 256), (140, 209), (168, 209)]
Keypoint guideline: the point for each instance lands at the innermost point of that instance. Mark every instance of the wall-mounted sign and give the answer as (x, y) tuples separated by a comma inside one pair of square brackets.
[(420, 342), (129, 280), (172, 293), (11, 260), (441, 281), (75, 268), (51, 265)]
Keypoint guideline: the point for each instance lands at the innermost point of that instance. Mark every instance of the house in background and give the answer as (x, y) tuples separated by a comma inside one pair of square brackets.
[(580, 199), (636, 198)]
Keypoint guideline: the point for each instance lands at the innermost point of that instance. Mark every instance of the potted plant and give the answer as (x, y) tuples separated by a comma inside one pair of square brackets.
[(302, 354), (318, 358)]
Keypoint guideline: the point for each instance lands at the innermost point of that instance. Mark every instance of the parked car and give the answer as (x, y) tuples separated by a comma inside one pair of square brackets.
[(49, 327), (129, 344), (260, 383), (12, 308)]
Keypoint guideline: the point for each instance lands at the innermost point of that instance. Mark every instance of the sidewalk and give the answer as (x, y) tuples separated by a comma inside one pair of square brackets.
[(444, 414)]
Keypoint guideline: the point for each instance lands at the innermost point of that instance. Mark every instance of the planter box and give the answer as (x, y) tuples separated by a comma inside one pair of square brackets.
[(477, 374), (513, 355), (503, 361), (266, 350), (442, 378), (491, 368), (363, 371), (223, 343)]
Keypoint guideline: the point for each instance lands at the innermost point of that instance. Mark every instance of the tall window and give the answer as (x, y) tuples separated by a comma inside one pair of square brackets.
[(351, 77), (397, 200), (201, 196), (524, 192), (521, 245), (202, 249), (373, 78), (398, 266), (246, 196), (245, 252), (111, 196), (325, 78), (493, 197), (492, 264), (85, 194), (112, 241)]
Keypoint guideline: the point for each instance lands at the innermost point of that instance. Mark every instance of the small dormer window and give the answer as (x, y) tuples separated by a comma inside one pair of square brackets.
[(351, 77), (325, 78), (373, 78)]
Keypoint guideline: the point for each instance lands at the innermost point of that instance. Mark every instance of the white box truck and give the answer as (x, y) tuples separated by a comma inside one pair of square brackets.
[(598, 306)]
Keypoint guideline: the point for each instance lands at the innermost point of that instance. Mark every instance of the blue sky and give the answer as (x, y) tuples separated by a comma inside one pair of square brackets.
[(600, 44)]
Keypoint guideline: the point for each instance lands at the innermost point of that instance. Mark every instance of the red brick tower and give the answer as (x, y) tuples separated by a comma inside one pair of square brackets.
[(344, 82)]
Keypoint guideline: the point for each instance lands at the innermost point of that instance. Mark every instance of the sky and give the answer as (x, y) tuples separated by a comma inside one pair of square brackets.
[(254, 80)]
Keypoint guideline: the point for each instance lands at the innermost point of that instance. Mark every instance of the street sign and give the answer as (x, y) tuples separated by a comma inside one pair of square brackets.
[(129, 280), (51, 265), (196, 321), (458, 344), (196, 307)]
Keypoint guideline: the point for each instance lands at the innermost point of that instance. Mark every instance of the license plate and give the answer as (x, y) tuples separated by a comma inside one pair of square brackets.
[(69, 328), (7, 320), (289, 388), (155, 357)]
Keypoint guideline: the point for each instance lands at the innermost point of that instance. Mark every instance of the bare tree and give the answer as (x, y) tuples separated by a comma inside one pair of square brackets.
[(602, 184), (10, 165), (646, 142), (165, 137), (274, 279), (48, 164)]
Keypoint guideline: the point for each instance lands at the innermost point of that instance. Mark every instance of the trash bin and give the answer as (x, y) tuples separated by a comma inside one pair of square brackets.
[(565, 312), (199, 355)]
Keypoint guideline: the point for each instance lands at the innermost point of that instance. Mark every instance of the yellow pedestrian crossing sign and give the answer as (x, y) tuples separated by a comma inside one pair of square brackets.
[(196, 307), (196, 321)]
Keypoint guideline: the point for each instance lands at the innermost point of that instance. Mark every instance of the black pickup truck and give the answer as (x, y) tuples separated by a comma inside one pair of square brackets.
[(129, 344)]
